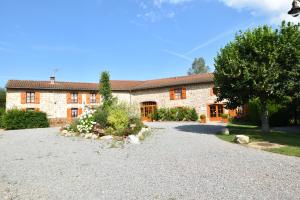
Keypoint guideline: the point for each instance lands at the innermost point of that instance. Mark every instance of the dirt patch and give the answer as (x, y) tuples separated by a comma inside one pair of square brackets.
[(265, 145)]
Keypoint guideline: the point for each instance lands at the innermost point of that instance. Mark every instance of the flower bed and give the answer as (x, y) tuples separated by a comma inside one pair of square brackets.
[(117, 122)]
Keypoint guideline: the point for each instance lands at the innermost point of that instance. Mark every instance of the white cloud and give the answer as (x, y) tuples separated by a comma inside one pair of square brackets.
[(275, 10), (158, 3)]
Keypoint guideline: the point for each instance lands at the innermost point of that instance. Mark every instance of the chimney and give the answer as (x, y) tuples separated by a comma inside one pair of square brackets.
[(52, 79)]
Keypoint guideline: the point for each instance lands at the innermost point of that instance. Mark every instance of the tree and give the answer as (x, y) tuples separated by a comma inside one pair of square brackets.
[(249, 68), (198, 67), (2, 98), (105, 89), (289, 49)]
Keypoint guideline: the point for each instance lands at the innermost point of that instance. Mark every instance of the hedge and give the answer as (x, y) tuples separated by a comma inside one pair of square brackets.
[(175, 114), (2, 111), (19, 119)]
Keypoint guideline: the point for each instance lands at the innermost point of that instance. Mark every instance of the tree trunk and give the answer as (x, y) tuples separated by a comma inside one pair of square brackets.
[(265, 119)]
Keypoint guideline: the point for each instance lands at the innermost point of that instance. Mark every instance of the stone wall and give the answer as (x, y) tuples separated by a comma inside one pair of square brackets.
[(54, 103), (198, 96)]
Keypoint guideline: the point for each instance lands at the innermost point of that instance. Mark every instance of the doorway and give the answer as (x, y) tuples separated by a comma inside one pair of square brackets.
[(147, 108), (215, 112)]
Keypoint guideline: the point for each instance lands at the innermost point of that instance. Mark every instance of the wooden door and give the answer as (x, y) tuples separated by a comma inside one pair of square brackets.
[(215, 112), (147, 108)]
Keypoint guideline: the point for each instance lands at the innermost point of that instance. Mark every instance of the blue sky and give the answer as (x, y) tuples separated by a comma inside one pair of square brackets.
[(132, 39)]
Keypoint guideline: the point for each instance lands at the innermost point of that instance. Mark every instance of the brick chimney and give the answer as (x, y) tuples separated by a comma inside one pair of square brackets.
[(52, 79)]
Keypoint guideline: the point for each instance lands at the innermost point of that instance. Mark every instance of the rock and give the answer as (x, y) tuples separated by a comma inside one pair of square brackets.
[(241, 139), (88, 136), (94, 137), (98, 130), (64, 132), (68, 134), (133, 139), (143, 130), (225, 131), (107, 137)]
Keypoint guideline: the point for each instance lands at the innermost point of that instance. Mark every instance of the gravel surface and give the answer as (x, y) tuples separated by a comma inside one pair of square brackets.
[(179, 161)]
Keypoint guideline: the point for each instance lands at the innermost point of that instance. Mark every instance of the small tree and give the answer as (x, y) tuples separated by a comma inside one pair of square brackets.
[(105, 89), (248, 68), (2, 98), (198, 67)]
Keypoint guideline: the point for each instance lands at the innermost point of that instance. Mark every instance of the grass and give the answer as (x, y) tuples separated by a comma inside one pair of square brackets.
[(290, 140)]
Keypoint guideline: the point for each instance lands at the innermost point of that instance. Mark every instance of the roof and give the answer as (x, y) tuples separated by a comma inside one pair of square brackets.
[(117, 85)]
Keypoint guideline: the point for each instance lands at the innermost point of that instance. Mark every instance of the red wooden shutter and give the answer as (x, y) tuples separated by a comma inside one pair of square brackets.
[(183, 92), (68, 97), (69, 114), (88, 98), (79, 111), (23, 97), (172, 94), (37, 97), (79, 98), (98, 98)]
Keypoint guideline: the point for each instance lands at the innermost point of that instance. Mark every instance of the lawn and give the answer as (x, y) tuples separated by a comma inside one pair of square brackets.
[(290, 140)]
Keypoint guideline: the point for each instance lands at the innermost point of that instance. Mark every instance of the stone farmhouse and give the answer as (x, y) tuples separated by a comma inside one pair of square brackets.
[(63, 101)]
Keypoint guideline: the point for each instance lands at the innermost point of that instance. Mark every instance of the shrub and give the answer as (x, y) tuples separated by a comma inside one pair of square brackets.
[(136, 125), (72, 127), (100, 117), (193, 116), (19, 119), (202, 116), (2, 112), (118, 118), (175, 114), (225, 116), (86, 122)]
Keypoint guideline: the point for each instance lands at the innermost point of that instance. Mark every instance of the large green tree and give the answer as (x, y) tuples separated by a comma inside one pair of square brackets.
[(2, 98), (105, 89), (253, 67), (289, 50), (198, 67)]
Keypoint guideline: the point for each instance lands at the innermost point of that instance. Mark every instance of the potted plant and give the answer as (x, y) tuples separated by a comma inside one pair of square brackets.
[(225, 118), (202, 118)]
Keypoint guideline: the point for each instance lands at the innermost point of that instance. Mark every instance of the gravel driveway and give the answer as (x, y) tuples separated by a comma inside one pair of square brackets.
[(179, 161)]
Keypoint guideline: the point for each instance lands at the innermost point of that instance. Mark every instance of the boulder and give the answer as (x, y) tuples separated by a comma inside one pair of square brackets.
[(225, 131), (88, 136), (64, 132), (241, 139), (94, 136), (107, 137), (133, 139)]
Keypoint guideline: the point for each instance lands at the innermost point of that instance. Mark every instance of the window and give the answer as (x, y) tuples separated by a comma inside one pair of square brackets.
[(220, 110), (74, 97), (213, 111), (74, 112), (178, 93), (30, 96), (93, 98)]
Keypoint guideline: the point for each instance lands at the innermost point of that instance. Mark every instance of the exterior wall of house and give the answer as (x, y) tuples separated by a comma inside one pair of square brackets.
[(56, 105), (198, 96)]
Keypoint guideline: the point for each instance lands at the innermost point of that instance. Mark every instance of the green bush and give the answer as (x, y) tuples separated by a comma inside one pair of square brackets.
[(175, 114), (19, 119), (100, 116), (73, 126), (118, 119), (136, 124), (2, 112)]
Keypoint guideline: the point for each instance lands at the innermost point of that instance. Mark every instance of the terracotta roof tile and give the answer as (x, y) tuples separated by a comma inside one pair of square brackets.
[(117, 85)]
